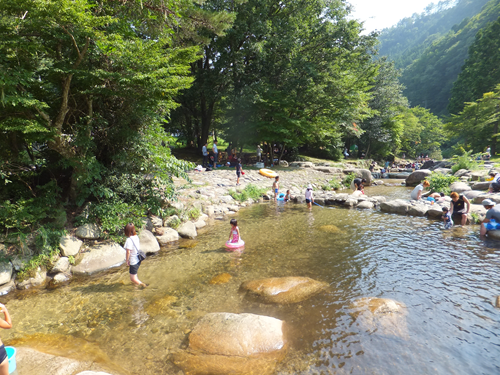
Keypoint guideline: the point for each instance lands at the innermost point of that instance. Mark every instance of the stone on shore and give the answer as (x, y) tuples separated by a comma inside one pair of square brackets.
[(60, 278), (302, 164), (166, 235), (381, 315), (38, 281), (481, 185), (472, 194), (224, 343), (70, 246), (361, 173), (397, 206), (479, 175), (187, 230), (148, 241), (88, 232), (62, 265), (7, 288), (417, 177), (480, 198), (200, 223), (283, 290), (5, 272), (459, 187), (100, 258), (461, 172)]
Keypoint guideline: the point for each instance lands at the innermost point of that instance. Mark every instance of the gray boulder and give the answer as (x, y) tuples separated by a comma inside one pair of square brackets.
[(479, 175), (166, 235), (397, 206), (417, 177), (493, 234), (148, 242), (472, 194), (302, 164), (443, 171), (378, 199), (435, 211), (156, 221), (361, 173), (60, 278), (461, 172), (5, 272), (351, 202), (418, 210), (70, 245), (62, 265), (187, 230), (481, 185), (7, 288), (365, 205), (88, 232), (100, 258), (459, 187), (200, 223)]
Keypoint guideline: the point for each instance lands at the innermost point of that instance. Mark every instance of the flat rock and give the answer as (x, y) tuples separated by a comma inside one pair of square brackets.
[(459, 187), (435, 211), (187, 230), (381, 316), (418, 210), (481, 185), (461, 172), (478, 175), (480, 198), (60, 278), (5, 272), (472, 194), (70, 246), (224, 343), (200, 223), (62, 265), (397, 206), (148, 241), (283, 290), (417, 177), (365, 205), (88, 232), (302, 164), (100, 258), (168, 235)]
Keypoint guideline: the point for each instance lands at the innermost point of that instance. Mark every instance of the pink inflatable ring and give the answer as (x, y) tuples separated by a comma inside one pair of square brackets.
[(235, 245)]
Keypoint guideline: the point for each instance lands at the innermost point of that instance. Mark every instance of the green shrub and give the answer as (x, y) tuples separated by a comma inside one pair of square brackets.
[(349, 179), (250, 191), (194, 213), (440, 183), (174, 223), (465, 161), (332, 184)]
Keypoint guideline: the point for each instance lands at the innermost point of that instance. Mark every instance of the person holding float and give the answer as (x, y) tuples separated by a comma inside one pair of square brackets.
[(234, 240), (5, 324)]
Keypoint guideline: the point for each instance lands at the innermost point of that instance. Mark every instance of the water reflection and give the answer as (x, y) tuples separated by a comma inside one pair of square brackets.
[(446, 279)]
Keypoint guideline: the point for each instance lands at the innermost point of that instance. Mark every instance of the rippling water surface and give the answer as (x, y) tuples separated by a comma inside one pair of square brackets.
[(447, 279)]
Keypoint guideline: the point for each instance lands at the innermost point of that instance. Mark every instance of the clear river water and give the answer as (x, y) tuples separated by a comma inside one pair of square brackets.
[(448, 280)]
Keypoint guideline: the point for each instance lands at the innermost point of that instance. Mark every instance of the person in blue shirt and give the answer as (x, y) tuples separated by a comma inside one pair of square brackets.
[(448, 222), (492, 219), (204, 151)]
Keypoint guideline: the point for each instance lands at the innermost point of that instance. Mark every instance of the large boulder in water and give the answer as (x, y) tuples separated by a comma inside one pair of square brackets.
[(100, 258), (381, 315), (283, 289), (397, 206), (224, 343), (418, 210), (148, 241), (417, 177), (187, 230)]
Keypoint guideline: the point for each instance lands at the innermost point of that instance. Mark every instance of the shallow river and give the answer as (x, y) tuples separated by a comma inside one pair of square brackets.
[(447, 279)]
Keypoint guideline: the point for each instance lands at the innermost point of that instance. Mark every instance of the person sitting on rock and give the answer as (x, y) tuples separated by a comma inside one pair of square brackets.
[(438, 197), (457, 206), (416, 194), (492, 218), (495, 183)]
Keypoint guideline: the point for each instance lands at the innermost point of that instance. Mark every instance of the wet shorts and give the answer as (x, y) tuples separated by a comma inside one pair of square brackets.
[(133, 269), (276, 191), (3, 354), (308, 201)]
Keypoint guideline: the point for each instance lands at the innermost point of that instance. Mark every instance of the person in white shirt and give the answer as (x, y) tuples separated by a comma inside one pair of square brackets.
[(309, 196), (416, 194), (132, 246), (216, 154), (204, 151)]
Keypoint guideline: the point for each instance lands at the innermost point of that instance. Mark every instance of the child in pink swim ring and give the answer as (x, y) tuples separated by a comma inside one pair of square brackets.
[(235, 232)]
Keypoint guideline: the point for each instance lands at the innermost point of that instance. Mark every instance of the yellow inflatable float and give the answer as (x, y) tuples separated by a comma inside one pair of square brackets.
[(268, 173)]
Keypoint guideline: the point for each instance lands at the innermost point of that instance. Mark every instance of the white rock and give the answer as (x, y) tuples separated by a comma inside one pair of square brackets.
[(70, 245), (100, 258), (200, 224), (38, 280), (88, 232), (365, 205), (60, 278), (156, 221), (169, 235), (459, 187), (62, 265), (5, 272), (187, 230), (148, 242), (7, 288)]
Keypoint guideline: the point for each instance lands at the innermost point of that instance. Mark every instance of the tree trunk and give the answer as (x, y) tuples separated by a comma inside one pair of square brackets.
[(494, 139)]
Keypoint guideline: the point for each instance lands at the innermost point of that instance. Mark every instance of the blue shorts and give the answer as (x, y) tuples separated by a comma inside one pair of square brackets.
[(490, 226), (308, 201), (276, 191)]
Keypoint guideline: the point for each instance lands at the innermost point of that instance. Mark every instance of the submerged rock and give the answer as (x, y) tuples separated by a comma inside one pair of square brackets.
[(224, 343), (381, 315), (221, 279), (283, 290), (100, 258)]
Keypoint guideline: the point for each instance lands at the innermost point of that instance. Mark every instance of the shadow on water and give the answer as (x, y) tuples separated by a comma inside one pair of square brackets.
[(447, 279)]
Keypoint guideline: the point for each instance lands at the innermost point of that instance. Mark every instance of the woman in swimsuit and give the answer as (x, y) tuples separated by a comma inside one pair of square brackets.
[(5, 324)]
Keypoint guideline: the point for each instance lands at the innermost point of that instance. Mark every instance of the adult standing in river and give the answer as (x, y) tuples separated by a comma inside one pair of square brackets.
[(134, 255), (492, 219), (5, 324), (457, 206)]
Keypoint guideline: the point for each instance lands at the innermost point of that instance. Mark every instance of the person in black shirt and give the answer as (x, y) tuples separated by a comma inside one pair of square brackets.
[(358, 184), (457, 207)]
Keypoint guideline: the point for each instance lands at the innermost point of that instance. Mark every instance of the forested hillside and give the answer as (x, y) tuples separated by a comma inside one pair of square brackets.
[(406, 41), (429, 78)]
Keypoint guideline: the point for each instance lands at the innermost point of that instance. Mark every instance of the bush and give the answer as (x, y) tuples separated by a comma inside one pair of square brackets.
[(174, 222), (440, 183), (194, 213), (349, 179), (250, 191), (332, 185), (465, 161)]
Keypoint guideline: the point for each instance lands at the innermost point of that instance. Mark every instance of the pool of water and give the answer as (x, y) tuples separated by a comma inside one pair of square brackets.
[(447, 279)]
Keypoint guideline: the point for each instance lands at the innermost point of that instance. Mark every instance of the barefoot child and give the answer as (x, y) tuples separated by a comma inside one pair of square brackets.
[(448, 222), (276, 187), (288, 196), (239, 171), (235, 232), (309, 196)]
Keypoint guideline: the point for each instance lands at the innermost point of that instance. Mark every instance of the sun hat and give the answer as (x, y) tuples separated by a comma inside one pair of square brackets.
[(488, 202), (309, 186)]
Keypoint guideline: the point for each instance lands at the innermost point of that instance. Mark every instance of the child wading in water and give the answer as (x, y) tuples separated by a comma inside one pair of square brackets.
[(276, 187), (239, 171), (448, 222), (309, 196), (235, 232), (288, 196)]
